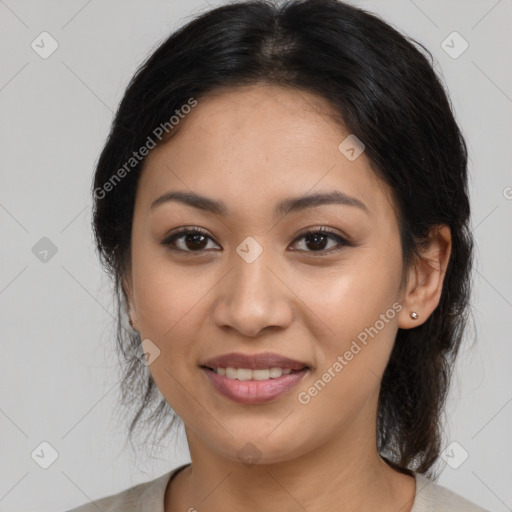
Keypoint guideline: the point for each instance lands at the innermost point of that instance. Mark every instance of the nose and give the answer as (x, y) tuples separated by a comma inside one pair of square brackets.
[(252, 297)]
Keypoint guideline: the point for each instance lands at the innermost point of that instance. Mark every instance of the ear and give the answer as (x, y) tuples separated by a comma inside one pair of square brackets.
[(128, 293), (426, 278)]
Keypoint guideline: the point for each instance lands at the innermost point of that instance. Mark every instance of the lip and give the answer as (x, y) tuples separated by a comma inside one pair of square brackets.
[(254, 391), (253, 361)]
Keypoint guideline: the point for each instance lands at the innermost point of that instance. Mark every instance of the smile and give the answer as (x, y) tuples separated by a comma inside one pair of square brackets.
[(248, 386)]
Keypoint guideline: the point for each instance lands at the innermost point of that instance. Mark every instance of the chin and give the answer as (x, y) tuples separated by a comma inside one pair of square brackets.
[(260, 449)]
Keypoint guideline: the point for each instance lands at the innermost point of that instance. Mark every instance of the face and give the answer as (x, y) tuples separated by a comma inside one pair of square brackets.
[(252, 282)]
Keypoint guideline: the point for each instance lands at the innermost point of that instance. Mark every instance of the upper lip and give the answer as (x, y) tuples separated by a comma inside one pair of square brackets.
[(253, 361)]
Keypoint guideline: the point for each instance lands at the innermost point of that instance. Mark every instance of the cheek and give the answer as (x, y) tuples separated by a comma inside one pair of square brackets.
[(352, 298), (352, 361), (172, 305), (163, 293), (358, 306), (170, 313)]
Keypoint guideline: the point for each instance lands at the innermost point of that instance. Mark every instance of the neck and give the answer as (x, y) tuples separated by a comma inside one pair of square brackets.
[(347, 471)]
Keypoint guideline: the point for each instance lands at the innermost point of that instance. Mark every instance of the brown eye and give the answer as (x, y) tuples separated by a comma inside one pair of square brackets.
[(318, 240), (194, 241), (187, 240)]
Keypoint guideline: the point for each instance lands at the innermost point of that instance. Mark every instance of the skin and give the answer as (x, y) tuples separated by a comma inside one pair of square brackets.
[(252, 147)]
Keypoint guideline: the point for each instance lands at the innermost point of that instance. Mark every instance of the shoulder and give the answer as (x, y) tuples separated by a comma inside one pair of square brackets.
[(147, 496), (432, 497)]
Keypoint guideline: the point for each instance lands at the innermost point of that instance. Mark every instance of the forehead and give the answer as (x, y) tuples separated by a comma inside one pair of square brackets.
[(254, 145)]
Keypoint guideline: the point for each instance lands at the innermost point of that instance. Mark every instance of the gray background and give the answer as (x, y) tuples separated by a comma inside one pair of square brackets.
[(59, 376)]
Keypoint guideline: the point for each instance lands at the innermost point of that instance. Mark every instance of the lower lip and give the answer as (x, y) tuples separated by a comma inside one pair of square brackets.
[(253, 391)]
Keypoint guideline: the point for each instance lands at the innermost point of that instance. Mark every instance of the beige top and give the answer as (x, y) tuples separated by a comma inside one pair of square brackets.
[(149, 497)]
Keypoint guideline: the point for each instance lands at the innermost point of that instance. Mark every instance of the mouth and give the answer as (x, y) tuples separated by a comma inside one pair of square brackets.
[(254, 379), (251, 387)]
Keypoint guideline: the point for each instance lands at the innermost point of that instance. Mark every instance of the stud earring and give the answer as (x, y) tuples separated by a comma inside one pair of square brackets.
[(414, 315)]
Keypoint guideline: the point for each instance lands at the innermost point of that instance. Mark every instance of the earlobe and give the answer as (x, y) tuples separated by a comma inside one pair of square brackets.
[(426, 279)]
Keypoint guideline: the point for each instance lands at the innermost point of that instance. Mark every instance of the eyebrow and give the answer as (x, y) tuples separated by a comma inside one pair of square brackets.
[(285, 207)]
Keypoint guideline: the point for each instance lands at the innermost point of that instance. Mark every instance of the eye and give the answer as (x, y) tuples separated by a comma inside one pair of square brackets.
[(193, 239), (187, 240), (318, 239)]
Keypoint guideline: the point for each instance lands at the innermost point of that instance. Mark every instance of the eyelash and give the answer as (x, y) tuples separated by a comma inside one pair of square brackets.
[(169, 240)]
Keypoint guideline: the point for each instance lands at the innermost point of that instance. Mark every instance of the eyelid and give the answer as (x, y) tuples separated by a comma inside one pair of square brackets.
[(322, 229)]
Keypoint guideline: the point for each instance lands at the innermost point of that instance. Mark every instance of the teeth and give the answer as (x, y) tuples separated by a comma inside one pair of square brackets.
[(248, 374), (261, 374), (275, 372)]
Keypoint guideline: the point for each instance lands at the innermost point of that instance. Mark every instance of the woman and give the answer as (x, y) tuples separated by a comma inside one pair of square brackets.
[(282, 204)]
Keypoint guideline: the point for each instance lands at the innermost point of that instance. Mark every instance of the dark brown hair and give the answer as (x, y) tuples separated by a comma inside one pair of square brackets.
[(383, 87)]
